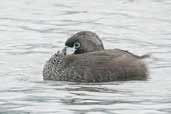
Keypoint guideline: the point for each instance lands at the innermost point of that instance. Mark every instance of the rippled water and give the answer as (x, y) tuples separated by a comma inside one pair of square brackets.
[(32, 30)]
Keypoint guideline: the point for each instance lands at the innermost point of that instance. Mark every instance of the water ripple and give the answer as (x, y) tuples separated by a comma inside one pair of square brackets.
[(31, 31)]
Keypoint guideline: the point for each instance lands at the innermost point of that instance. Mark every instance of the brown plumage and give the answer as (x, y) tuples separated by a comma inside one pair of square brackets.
[(95, 66)]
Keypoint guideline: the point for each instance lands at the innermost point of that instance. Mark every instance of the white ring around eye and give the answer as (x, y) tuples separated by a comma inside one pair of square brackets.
[(77, 45)]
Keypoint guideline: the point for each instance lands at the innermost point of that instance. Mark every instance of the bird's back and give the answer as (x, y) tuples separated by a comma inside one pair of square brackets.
[(106, 65)]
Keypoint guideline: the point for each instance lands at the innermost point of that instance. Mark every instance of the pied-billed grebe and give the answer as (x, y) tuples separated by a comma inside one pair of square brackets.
[(90, 62)]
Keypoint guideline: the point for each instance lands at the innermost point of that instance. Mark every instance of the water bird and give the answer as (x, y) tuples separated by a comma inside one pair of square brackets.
[(84, 59)]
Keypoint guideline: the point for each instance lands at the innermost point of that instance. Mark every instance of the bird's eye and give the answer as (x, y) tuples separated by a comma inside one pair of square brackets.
[(77, 45)]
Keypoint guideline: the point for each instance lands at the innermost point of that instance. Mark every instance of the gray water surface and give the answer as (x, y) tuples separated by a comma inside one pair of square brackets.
[(32, 30)]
